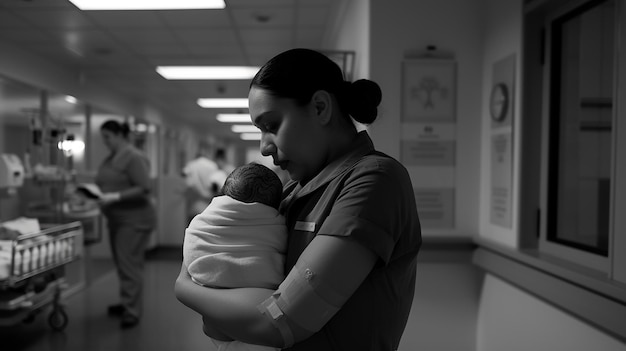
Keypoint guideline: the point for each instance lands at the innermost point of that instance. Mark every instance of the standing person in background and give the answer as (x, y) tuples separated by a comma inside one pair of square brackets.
[(124, 179), (200, 186), (224, 168), (222, 162), (352, 222)]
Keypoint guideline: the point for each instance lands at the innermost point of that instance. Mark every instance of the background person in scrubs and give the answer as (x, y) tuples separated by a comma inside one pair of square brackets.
[(124, 178), (353, 228)]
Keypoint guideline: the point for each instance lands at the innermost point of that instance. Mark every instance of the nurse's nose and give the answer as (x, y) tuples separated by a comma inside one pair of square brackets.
[(268, 148)]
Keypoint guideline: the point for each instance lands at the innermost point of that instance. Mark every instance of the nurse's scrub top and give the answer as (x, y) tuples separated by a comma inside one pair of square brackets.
[(367, 196), (122, 170)]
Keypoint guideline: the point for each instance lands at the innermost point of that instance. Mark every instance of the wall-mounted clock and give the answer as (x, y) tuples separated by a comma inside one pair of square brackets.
[(499, 102)]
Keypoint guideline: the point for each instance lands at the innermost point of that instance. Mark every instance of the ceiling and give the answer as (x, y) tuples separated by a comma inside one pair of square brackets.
[(120, 50)]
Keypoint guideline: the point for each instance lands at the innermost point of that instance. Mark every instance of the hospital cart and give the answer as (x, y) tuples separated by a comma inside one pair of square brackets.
[(34, 277)]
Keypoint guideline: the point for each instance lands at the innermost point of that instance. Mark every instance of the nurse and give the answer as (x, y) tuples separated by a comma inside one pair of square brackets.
[(124, 178), (353, 226)]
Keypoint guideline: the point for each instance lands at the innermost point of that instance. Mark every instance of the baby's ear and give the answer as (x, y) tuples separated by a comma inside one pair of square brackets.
[(322, 102)]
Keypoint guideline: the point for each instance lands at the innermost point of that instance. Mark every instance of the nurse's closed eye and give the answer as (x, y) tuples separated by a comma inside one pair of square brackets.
[(269, 127)]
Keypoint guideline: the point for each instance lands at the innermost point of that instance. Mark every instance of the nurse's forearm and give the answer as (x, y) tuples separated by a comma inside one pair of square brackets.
[(133, 193), (233, 310)]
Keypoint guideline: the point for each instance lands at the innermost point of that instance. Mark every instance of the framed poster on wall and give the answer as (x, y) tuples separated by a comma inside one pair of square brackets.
[(428, 137), (428, 90)]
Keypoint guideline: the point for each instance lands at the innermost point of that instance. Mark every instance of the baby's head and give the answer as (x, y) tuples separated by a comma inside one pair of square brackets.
[(254, 182)]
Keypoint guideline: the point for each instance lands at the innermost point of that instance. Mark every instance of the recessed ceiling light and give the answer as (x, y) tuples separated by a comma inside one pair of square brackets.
[(250, 136), (223, 103), (233, 117), (244, 128), (207, 72), (148, 5)]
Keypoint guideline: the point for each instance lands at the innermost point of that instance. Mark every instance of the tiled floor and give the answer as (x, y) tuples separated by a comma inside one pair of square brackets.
[(443, 315)]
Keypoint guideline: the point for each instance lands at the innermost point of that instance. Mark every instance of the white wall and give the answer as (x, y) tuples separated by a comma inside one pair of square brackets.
[(351, 32), (503, 37), (399, 27), (512, 320)]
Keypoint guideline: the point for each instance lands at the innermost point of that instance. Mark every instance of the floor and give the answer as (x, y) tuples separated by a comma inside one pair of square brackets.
[(443, 316)]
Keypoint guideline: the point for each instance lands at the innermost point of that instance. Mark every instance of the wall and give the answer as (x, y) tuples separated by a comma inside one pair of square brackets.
[(502, 38), (510, 318), (351, 32), (400, 27)]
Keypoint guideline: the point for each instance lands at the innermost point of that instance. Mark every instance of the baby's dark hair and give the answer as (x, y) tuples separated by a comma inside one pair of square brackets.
[(254, 182)]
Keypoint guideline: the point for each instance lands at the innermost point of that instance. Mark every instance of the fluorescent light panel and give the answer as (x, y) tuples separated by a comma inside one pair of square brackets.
[(250, 136), (233, 117), (148, 4), (244, 128), (207, 72), (223, 103)]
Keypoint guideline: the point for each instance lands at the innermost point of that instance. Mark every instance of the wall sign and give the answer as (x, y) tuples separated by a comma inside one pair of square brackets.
[(428, 137)]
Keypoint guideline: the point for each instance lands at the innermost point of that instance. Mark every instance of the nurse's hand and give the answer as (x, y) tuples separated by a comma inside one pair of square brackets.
[(109, 198)]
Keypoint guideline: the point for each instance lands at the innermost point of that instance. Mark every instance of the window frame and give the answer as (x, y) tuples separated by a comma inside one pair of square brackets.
[(566, 251)]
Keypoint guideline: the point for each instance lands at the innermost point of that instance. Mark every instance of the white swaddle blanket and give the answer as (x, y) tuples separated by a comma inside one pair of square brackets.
[(233, 244)]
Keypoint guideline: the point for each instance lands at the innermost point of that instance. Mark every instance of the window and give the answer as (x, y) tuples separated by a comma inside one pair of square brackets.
[(580, 120), (571, 132)]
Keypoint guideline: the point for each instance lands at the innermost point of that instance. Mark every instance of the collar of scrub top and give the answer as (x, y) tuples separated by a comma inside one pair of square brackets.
[(361, 146), (121, 151)]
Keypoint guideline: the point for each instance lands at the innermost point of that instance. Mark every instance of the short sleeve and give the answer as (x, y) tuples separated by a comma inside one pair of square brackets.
[(373, 205), (138, 170)]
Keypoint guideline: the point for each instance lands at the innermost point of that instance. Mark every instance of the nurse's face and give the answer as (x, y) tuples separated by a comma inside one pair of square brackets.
[(110, 139), (291, 134)]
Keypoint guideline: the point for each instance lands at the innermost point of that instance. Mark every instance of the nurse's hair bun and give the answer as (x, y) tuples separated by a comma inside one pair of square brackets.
[(363, 97)]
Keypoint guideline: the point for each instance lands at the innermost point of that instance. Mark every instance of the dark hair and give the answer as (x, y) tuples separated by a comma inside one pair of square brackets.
[(254, 182), (220, 154), (116, 127), (298, 73)]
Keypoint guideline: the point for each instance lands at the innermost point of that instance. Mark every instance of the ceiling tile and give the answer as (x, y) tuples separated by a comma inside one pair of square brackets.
[(210, 51), (309, 38), (206, 35), (264, 17), (47, 4), (266, 3), (135, 36), (86, 41), (60, 54), (156, 50), (121, 59), (195, 18), (24, 36), (267, 50), (316, 16), (125, 19), (10, 20), (266, 36), (56, 18)]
